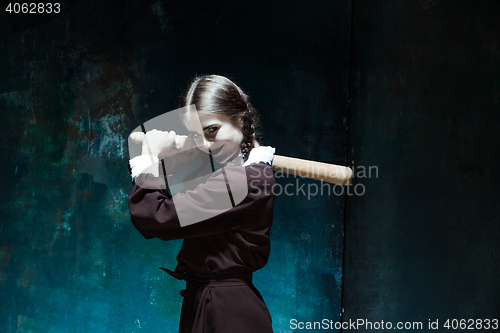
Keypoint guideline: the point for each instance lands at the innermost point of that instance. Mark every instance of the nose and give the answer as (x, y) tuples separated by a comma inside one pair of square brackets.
[(203, 144), (207, 144)]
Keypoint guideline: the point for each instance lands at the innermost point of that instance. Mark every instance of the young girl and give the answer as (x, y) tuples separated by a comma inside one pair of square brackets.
[(219, 253)]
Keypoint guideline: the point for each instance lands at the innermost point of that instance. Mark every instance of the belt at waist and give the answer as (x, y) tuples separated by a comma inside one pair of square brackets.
[(212, 280)]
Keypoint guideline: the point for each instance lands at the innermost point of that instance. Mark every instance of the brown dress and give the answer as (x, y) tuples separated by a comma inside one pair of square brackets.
[(218, 255)]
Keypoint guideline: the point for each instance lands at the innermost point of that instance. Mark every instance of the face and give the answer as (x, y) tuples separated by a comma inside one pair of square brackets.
[(215, 134)]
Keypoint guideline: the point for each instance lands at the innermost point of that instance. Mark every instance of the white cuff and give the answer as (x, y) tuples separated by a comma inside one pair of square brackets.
[(261, 154), (144, 164)]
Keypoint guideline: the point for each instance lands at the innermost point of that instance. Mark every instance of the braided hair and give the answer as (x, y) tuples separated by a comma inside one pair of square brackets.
[(218, 95)]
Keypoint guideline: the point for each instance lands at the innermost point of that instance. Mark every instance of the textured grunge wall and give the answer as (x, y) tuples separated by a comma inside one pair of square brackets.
[(73, 85), (424, 241)]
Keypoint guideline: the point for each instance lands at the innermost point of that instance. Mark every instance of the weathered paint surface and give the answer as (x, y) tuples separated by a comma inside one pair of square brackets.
[(71, 89), (423, 242)]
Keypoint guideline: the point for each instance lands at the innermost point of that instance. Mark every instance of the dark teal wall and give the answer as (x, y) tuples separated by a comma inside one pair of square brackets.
[(423, 242), (72, 87)]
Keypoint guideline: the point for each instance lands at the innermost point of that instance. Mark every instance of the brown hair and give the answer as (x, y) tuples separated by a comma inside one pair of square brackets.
[(219, 95)]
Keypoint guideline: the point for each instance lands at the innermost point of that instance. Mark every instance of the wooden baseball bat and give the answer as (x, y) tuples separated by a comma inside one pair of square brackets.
[(330, 173)]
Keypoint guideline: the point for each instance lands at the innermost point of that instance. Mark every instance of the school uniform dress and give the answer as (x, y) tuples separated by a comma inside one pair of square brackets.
[(219, 254)]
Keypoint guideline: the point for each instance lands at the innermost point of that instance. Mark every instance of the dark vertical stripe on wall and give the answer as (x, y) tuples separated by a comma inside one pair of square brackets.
[(348, 156)]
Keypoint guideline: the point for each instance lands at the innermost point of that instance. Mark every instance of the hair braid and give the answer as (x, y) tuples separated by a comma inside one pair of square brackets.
[(250, 120)]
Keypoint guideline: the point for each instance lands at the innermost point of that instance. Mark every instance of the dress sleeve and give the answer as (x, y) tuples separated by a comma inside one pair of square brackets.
[(155, 215)]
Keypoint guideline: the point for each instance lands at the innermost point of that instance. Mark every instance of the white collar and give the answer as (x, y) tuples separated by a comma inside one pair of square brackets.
[(261, 154)]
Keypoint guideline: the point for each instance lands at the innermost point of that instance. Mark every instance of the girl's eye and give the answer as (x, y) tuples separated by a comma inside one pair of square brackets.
[(212, 129)]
